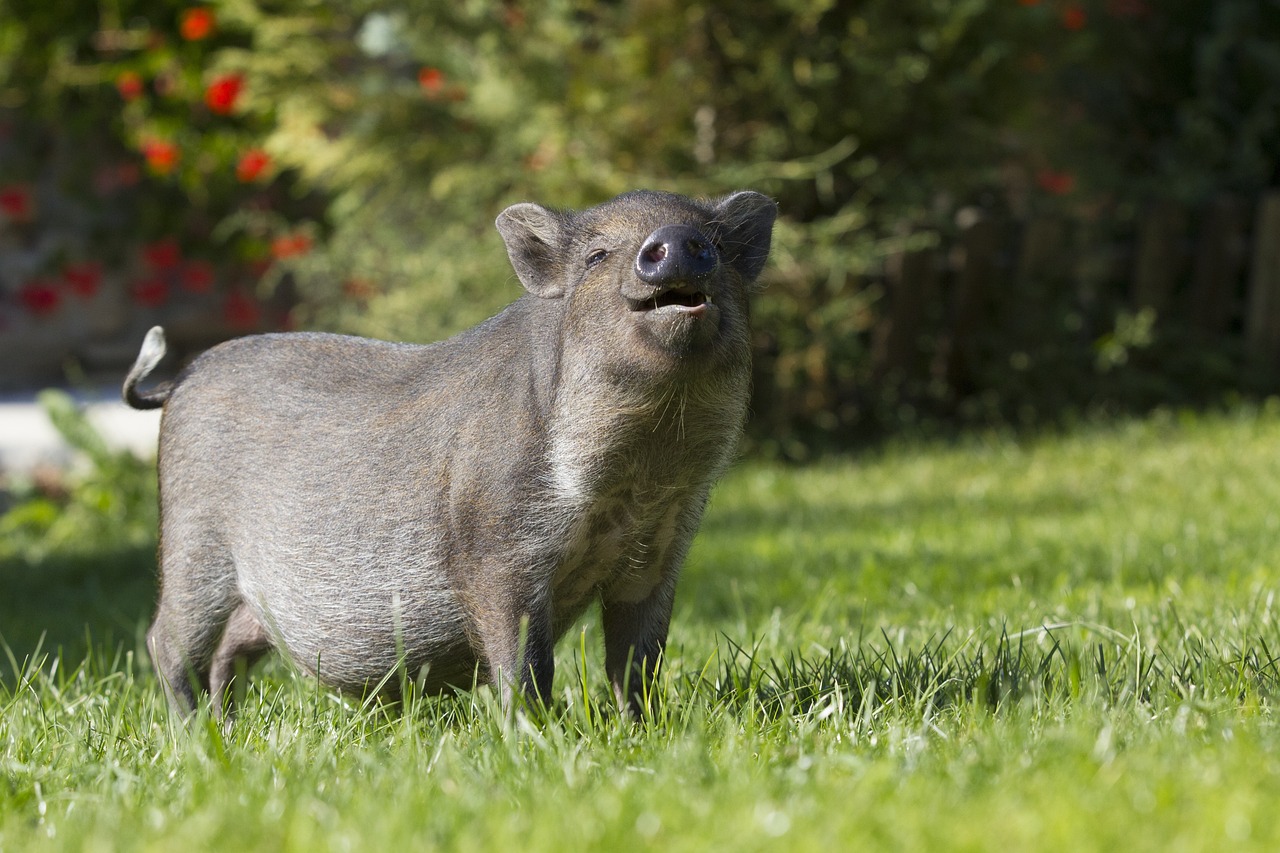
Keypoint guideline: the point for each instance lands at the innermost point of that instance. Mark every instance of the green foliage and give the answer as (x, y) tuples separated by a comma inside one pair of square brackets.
[(395, 134), (570, 106), (873, 124), (109, 500)]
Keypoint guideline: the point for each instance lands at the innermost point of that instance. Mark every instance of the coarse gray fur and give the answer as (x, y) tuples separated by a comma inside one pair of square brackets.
[(453, 508)]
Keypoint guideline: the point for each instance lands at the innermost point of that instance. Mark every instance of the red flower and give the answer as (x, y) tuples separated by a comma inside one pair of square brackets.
[(40, 297), (197, 277), (432, 81), (150, 292), (197, 23), (241, 311), (252, 163), (290, 246), (223, 92), (83, 278), (1074, 17), (129, 85), (162, 255), (1054, 182), (15, 201), (162, 156)]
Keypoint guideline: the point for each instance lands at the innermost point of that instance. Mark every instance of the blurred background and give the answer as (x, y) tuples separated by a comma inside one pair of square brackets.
[(994, 212)]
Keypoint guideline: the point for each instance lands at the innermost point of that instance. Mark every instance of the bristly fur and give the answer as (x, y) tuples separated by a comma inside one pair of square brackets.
[(453, 508)]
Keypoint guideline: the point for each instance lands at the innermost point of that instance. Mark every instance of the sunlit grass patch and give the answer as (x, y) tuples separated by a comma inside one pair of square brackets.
[(1068, 643)]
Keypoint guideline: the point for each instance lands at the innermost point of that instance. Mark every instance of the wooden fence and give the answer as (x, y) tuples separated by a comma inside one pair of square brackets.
[(1213, 271)]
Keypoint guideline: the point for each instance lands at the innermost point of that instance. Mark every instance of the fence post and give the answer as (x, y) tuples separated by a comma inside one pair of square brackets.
[(1262, 323), (1219, 264), (1159, 255), (912, 279), (1042, 248), (975, 278)]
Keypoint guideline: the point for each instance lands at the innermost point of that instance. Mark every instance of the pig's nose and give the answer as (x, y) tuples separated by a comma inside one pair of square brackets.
[(675, 253)]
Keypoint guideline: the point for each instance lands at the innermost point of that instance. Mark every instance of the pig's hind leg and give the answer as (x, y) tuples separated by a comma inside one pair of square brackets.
[(243, 642), (198, 597), (180, 661)]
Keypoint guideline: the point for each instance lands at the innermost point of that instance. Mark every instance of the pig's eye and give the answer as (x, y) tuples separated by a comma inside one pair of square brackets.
[(596, 257)]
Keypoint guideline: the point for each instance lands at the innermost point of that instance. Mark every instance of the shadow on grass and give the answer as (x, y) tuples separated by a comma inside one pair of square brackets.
[(68, 605)]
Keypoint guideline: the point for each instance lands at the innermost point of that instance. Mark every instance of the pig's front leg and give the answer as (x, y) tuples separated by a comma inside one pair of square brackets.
[(635, 635), (517, 646)]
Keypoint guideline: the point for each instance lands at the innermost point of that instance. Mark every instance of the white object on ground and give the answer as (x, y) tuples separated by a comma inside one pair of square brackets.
[(28, 439)]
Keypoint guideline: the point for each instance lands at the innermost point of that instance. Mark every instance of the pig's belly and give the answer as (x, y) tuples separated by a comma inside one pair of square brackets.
[(350, 621)]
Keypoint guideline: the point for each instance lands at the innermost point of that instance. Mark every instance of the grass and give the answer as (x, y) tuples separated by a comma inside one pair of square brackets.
[(1068, 643)]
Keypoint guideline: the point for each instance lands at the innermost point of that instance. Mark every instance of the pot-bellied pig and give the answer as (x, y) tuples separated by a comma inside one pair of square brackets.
[(453, 508)]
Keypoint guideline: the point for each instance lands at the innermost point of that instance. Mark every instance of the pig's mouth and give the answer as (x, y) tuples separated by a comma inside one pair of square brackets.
[(686, 298)]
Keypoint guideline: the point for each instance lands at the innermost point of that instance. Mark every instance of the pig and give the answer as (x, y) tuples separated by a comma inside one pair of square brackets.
[(452, 508)]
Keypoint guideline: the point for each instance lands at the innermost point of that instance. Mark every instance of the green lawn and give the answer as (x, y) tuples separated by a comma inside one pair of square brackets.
[(1061, 644)]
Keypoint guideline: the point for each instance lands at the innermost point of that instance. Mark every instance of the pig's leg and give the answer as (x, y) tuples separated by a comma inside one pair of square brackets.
[(244, 641), (636, 609), (177, 659), (517, 646), (635, 635), (197, 597)]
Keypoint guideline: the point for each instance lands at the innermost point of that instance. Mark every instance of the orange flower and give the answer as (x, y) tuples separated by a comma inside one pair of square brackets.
[(197, 23), (252, 164), (162, 156), (223, 92), (290, 246), (129, 85), (1074, 17), (432, 81)]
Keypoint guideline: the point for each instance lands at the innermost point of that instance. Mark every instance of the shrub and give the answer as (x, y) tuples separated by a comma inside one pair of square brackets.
[(364, 150)]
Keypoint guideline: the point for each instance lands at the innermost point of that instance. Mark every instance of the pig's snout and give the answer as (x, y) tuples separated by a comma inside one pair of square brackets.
[(675, 254)]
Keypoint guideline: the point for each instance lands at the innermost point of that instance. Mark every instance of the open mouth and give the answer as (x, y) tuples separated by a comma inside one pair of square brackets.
[(686, 296)]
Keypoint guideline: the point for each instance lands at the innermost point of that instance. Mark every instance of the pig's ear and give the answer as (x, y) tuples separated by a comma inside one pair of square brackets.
[(533, 236), (746, 230)]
